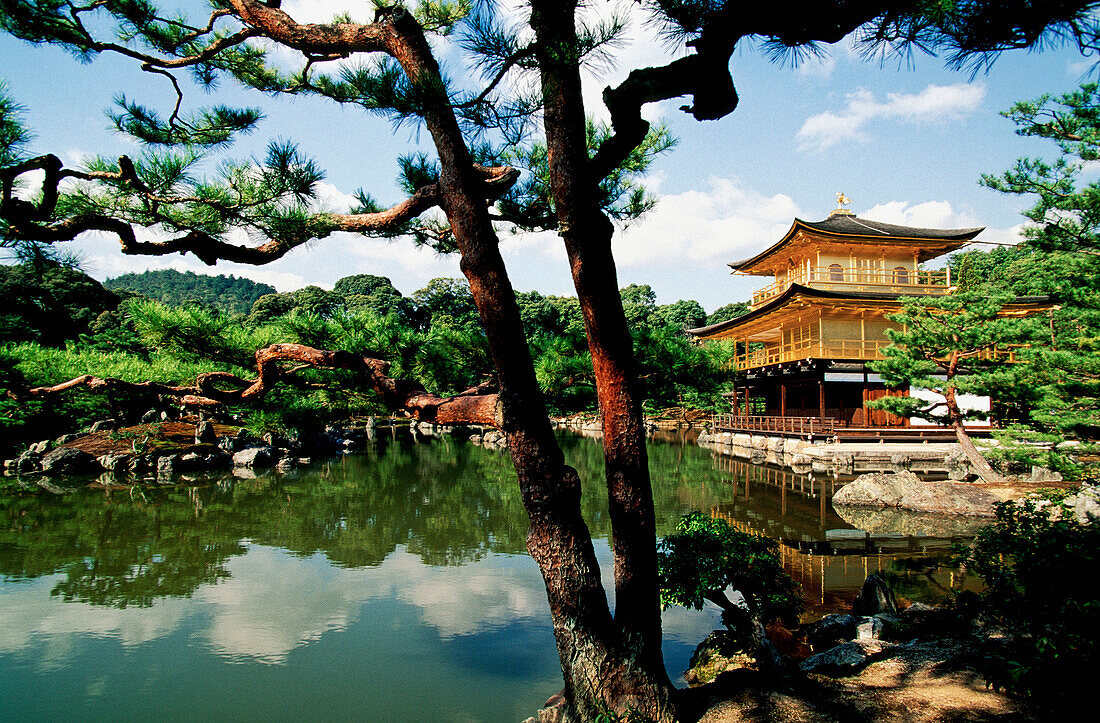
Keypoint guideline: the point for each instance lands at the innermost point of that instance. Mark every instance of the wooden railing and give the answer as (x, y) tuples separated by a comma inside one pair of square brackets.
[(806, 426), (856, 349), (907, 282)]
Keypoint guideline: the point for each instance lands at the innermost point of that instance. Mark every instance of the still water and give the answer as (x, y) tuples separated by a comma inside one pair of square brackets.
[(387, 586)]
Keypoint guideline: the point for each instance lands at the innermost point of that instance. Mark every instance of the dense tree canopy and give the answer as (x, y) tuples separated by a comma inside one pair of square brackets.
[(229, 293)]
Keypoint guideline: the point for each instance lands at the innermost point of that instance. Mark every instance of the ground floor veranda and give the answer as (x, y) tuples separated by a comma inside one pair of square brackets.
[(818, 399)]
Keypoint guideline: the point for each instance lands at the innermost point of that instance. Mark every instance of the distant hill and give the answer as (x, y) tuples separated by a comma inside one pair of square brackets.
[(175, 288)]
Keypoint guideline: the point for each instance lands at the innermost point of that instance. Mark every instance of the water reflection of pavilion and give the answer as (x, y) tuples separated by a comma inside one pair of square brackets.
[(818, 548)]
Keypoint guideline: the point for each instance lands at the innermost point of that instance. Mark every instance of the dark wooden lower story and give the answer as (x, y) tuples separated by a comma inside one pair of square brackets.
[(825, 390)]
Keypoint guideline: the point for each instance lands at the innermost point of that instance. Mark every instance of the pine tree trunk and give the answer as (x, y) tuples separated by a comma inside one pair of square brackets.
[(587, 234), (977, 461), (599, 664)]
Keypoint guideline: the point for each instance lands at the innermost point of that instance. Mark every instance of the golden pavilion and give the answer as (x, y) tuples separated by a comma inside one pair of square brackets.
[(804, 346)]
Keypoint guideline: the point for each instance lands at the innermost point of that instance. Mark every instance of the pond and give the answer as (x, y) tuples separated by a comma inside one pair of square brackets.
[(391, 585)]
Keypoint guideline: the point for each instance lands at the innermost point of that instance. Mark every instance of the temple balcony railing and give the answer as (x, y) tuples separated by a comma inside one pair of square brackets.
[(846, 349), (837, 278), (854, 349)]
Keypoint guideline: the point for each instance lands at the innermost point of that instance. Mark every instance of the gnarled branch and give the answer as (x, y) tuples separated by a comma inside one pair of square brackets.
[(32, 222), (477, 405)]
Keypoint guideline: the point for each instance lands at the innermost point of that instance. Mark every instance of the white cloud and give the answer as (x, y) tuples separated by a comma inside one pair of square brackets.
[(934, 103), (940, 214), (705, 228), (929, 214)]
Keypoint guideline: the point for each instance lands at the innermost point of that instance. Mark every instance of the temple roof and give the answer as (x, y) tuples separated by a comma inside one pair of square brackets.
[(824, 294), (845, 228)]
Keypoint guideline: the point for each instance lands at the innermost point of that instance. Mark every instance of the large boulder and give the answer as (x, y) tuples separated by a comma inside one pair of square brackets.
[(255, 457), (66, 460), (875, 597), (906, 491), (831, 630), (204, 433), (844, 659)]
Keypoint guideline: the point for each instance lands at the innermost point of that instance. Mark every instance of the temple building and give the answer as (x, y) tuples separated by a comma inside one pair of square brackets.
[(805, 344)]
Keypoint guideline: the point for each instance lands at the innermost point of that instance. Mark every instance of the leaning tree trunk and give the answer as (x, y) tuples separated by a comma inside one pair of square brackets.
[(977, 460), (587, 234), (597, 664)]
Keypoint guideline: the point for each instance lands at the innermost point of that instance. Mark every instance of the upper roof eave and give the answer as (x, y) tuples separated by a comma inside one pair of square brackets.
[(860, 229)]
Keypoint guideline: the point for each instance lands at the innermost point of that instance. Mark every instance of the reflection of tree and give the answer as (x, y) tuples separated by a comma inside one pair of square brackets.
[(445, 501)]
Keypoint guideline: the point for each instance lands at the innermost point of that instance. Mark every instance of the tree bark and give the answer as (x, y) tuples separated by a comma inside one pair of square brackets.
[(587, 234), (597, 667), (977, 460)]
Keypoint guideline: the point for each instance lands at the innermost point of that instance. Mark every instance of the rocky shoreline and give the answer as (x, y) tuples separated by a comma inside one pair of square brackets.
[(164, 450)]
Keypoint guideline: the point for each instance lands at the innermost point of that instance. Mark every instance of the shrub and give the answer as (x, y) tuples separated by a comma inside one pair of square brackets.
[(1040, 561)]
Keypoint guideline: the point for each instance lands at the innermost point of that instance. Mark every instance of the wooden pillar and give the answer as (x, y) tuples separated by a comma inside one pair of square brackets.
[(782, 399), (821, 397)]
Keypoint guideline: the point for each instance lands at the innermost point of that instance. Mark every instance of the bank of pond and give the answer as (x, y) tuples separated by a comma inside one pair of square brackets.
[(387, 584)]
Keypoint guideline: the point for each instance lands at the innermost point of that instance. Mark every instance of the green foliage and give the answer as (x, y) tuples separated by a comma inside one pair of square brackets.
[(14, 135), (448, 302), (954, 344), (231, 294), (706, 555), (1039, 560), (49, 302)]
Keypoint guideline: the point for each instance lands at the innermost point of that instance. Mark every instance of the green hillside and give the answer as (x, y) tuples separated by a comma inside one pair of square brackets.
[(174, 288)]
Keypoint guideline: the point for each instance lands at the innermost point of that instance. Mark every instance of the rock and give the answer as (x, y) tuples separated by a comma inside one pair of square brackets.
[(1042, 474), (1085, 504), (869, 628), (906, 491), (874, 597), (66, 438), (205, 434), (191, 460), (216, 460), (66, 460), (27, 463), (149, 417), (844, 659), (166, 465), (40, 447), (114, 462), (303, 461), (254, 457), (285, 464), (716, 654), (103, 424), (830, 630)]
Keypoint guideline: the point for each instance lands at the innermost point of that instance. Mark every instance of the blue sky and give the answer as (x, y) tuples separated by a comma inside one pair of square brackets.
[(906, 144)]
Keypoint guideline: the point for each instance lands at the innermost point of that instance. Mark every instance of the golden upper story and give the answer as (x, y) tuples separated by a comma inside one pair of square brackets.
[(848, 253)]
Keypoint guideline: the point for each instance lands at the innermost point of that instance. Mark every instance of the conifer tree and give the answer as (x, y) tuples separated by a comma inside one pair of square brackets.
[(1062, 252)]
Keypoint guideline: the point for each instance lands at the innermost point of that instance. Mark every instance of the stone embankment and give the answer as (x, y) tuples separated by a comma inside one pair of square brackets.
[(841, 458)]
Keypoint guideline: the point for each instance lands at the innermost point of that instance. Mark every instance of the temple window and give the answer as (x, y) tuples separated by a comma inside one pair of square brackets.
[(836, 272), (901, 275)]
